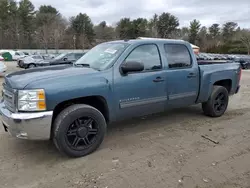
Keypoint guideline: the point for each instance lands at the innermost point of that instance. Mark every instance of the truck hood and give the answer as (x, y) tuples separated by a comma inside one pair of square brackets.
[(20, 79)]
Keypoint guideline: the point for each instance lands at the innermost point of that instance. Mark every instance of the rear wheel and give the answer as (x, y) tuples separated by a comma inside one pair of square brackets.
[(217, 102), (79, 130)]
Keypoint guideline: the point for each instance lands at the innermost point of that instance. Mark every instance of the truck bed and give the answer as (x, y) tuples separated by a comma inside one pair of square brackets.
[(211, 72), (207, 62)]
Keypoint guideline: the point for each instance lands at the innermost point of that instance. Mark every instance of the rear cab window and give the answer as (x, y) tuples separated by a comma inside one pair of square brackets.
[(178, 56)]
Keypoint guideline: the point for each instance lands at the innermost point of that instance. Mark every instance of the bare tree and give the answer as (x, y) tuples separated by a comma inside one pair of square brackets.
[(59, 29), (43, 35), (245, 39)]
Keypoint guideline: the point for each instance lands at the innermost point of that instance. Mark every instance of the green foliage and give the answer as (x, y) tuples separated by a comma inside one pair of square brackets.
[(46, 15), (103, 32), (4, 6), (214, 30), (83, 28), (228, 30), (194, 30), (23, 27), (125, 28), (139, 27), (167, 24)]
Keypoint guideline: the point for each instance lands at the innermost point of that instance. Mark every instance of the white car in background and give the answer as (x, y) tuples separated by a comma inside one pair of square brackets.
[(32, 60), (1, 58), (17, 55), (3, 68)]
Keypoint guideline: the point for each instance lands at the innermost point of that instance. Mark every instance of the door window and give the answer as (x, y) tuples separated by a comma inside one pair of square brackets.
[(178, 56), (70, 57), (37, 57), (147, 54)]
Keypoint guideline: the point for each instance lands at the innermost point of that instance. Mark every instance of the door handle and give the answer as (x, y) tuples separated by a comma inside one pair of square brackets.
[(158, 79), (191, 75)]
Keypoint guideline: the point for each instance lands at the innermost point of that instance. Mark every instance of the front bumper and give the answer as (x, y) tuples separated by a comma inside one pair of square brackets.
[(31, 126)]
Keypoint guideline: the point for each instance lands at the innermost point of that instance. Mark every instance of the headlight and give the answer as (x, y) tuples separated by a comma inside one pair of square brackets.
[(31, 100)]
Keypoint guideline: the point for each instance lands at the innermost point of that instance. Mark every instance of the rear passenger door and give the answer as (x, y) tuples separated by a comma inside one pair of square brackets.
[(182, 76)]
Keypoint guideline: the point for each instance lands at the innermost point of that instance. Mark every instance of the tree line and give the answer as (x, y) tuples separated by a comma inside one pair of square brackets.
[(22, 26)]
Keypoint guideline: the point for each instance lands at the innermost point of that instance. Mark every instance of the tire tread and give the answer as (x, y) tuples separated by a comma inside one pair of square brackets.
[(59, 122)]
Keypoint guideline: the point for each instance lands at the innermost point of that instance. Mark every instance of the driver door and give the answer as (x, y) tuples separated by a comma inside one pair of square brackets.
[(141, 93)]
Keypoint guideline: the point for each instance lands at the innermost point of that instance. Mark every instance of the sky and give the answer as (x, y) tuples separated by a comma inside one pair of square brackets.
[(207, 11)]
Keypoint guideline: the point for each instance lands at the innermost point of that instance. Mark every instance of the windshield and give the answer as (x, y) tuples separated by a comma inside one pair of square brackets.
[(59, 56), (102, 55)]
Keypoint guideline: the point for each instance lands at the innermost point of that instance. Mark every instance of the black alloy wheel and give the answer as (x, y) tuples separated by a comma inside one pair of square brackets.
[(82, 133), (220, 102), (79, 130), (217, 102)]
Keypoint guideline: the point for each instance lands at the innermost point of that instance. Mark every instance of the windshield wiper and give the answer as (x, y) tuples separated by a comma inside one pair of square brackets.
[(86, 65)]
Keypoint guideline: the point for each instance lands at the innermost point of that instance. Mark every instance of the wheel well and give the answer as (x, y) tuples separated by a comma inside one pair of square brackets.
[(97, 102), (31, 64), (225, 83)]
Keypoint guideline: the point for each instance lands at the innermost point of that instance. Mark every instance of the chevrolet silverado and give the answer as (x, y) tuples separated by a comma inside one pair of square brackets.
[(72, 104)]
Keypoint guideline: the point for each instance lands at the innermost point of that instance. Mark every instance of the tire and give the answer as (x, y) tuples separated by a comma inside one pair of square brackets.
[(72, 120), (217, 102), (31, 66)]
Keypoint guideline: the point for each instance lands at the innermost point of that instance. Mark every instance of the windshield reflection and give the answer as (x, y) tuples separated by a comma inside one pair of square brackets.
[(102, 55), (59, 56)]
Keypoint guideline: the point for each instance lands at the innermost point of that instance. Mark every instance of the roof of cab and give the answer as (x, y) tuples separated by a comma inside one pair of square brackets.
[(143, 40)]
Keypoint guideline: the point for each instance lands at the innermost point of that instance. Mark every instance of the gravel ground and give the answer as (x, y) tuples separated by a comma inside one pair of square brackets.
[(164, 150)]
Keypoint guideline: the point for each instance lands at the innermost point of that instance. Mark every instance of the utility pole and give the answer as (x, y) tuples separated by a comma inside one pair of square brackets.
[(74, 39)]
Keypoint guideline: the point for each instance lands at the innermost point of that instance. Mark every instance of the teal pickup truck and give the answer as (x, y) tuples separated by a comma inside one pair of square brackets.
[(72, 104)]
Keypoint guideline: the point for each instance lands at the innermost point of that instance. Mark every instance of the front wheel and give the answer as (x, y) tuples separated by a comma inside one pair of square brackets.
[(79, 130), (217, 102)]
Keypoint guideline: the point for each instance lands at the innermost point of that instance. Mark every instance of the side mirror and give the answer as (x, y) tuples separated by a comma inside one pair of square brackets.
[(132, 66)]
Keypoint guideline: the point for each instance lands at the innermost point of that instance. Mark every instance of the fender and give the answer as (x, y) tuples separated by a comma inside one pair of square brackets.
[(76, 86)]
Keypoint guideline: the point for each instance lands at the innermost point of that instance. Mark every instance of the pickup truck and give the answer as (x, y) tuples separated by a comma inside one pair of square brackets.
[(72, 104)]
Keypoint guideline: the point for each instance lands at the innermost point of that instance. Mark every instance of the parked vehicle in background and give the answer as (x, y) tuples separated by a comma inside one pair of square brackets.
[(72, 104), (65, 58), (49, 56), (12, 55), (3, 68), (29, 61), (244, 62), (210, 58), (32, 61), (26, 53), (17, 55), (205, 56), (1, 58)]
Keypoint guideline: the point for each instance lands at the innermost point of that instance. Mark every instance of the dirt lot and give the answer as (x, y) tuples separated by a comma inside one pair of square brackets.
[(164, 150)]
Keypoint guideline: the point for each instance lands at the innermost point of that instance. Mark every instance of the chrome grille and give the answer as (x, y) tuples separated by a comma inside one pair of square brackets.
[(9, 98)]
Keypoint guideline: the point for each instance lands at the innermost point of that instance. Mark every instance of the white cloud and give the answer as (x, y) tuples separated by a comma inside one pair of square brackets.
[(207, 12)]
